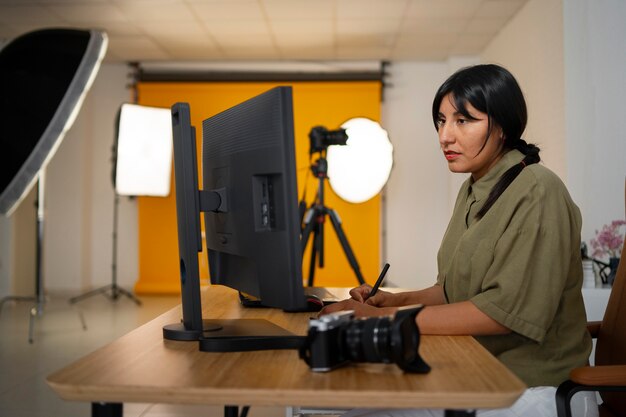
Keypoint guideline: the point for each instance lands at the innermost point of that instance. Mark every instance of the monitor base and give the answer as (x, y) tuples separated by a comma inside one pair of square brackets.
[(178, 331), (235, 335), (242, 335)]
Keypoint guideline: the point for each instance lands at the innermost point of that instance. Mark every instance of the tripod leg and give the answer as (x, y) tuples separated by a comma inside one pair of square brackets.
[(15, 298), (320, 239), (317, 248), (81, 317), (308, 228), (31, 324), (334, 218), (128, 294), (88, 294), (313, 225), (312, 263)]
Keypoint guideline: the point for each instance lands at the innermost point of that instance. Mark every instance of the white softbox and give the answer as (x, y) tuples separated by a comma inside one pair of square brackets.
[(144, 151)]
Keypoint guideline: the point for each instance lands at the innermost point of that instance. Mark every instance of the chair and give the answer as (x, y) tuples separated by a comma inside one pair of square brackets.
[(608, 376)]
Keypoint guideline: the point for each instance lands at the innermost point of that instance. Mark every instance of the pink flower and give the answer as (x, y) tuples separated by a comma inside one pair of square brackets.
[(609, 240)]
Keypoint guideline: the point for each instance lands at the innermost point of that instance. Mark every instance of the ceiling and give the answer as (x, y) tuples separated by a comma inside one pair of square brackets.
[(271, 30)]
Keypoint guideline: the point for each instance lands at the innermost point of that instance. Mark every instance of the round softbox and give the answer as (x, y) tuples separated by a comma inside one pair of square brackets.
[(360, 170), (44, 76)]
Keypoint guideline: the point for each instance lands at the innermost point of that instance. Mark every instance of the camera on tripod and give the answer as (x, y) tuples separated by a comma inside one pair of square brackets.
[(313, 218), (337, 339), (321, 138)]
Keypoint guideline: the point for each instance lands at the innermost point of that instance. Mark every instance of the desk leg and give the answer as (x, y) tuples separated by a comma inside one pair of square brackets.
[(107, 410), (459, 413)]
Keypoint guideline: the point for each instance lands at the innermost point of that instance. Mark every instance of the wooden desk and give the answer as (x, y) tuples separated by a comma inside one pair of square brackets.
[(143, 367)]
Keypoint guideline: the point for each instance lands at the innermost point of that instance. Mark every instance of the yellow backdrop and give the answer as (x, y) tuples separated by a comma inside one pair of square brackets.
[(315, 103)]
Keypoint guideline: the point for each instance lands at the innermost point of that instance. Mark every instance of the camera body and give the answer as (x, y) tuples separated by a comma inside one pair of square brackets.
[(336, 339), (321, 138), (324, 351)]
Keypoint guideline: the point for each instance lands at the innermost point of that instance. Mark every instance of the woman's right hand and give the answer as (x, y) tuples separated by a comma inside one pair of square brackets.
[(380, 299)]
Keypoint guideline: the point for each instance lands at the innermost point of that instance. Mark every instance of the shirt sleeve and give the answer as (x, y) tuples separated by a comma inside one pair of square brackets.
[(531, 260)]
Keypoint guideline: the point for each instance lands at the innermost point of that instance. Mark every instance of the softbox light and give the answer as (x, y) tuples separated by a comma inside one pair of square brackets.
[(44, 77), (144, 151), (359, 170)]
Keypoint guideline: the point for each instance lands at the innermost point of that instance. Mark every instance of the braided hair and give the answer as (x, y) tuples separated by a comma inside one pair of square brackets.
[(492, 90)]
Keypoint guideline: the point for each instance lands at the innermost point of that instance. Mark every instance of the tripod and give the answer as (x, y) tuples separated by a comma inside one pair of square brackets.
[(115, 290), (314, 220)]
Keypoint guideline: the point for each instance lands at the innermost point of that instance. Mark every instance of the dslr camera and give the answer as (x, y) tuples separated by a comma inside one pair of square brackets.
[(321, 138), (337, 339)]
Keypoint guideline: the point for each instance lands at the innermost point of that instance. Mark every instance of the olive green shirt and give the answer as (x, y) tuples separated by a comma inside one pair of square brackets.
[(521, 265)]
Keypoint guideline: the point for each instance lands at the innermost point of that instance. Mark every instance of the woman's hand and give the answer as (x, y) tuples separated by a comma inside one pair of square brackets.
[(380, 299), (361, 293), (360, 309)]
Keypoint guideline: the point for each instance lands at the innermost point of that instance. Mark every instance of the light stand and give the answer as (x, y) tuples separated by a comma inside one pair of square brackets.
[(112, 290), (37, 310), (39, 298), (315, 216), (141, 158)]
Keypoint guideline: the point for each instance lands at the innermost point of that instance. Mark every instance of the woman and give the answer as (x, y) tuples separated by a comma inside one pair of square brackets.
[(509, 265)]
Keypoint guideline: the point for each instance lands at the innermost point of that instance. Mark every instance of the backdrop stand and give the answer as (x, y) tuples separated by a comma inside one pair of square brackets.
[(112, 290), (40, 297)]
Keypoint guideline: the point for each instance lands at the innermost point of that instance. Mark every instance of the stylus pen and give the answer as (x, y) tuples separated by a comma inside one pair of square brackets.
[(379, 281)]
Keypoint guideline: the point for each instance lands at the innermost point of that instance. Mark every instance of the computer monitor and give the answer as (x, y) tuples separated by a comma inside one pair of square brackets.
[(249, 198)]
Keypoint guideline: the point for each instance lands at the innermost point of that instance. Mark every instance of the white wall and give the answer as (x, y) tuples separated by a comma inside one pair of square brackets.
[(6, 256), (595, 108), (531, 47)]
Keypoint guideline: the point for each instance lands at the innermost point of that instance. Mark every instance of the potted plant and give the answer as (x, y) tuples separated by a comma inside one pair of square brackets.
[(608, 243)]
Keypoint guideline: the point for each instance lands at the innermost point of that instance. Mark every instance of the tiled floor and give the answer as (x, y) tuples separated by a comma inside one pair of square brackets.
[(60, 339)]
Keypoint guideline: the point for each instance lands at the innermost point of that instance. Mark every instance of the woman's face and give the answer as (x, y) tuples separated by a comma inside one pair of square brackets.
[(461, 139)]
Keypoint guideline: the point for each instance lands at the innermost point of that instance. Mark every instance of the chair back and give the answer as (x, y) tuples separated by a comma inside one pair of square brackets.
[(611, 342)]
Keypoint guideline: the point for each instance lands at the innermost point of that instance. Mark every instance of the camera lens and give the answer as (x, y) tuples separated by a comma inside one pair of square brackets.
[(336, 137), (376, 342), (352, 336), (369, 340)]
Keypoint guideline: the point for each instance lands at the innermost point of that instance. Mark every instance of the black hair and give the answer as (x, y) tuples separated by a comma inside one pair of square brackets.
[(493, 90)]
